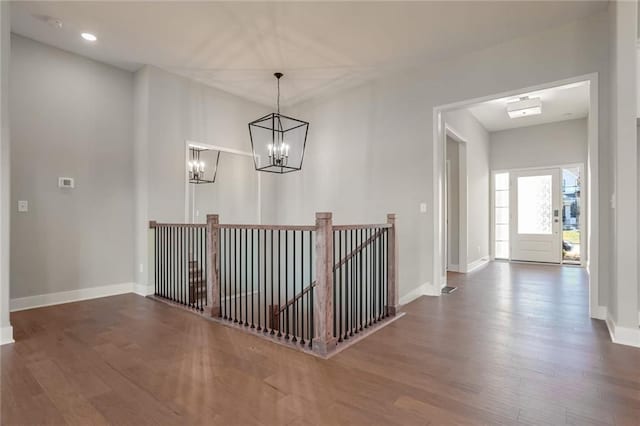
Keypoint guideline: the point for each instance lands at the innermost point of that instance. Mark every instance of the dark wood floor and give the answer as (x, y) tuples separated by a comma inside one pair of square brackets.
[(513, 345)]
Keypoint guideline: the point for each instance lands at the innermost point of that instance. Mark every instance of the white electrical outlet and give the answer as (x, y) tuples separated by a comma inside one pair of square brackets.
[(23, 206)]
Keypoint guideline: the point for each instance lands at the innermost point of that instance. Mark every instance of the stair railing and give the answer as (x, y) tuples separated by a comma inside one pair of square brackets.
[(301, 301)]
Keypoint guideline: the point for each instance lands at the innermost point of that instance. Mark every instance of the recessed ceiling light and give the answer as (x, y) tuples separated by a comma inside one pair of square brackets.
[(89, 37)]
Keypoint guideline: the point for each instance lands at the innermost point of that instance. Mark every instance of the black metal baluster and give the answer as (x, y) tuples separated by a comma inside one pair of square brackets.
[(259, 327), (379, 304), (221, 265), (191, 266), (229, 275), (273, 256), (347, 287), (155, 261), (252, 278), (264, 276), (173, 263), (286, 283), (238, 298), (246, 277), (202, 287), (386, 282), (362, 277), (235, 277), (295, 301), (340, 286), (163, 246), (223, 271), (372, 262), (302, 314), (333, 267), (365, 284), (312, 308), (279, 283)]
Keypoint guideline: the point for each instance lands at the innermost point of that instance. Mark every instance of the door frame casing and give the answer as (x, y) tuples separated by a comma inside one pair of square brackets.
[(592, 169), (187, 190)]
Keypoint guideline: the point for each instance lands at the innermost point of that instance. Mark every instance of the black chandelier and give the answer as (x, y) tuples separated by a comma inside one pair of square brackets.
[(199, 172), (278, 141)]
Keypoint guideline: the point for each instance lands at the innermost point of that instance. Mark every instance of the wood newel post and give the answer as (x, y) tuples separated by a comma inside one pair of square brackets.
[(213, 283), (392, 267), (323, 293)]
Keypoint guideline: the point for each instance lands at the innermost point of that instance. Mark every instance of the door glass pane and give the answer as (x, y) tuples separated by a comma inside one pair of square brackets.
[(502, 250), (535, 205), (501, 216), (502, 232), (502, 198), (571, 187)]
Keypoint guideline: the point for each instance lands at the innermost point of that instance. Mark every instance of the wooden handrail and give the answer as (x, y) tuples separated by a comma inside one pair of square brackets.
[(358, 249), (154, 224), (336, 266), (297, 297), (267, 227), (348, 227)]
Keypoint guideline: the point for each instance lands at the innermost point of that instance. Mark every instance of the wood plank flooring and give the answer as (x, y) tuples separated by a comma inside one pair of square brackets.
[(513, 345)]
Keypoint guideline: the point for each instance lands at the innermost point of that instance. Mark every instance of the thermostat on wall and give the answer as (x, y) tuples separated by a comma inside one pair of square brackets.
[(65, 182)]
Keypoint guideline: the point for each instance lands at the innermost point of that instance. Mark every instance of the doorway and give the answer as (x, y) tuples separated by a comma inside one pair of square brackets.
[(582, 216), (453, 195), (537, 215), (235, 194), (535, 228)]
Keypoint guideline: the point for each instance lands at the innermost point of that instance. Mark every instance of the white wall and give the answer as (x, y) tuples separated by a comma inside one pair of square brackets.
[(564, 142), (234, 195), (624, 294), (171, 110), (6, 331), (70, 116), (370, 149), (477, 184)]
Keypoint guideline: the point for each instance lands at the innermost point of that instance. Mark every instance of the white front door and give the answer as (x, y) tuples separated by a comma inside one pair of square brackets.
[(536, 225)]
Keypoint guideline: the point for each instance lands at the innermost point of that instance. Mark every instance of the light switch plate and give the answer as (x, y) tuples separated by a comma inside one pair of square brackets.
[(423, 207), (23, 206)]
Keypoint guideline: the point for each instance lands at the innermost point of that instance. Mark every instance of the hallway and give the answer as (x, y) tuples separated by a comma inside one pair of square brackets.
[(513, 345)]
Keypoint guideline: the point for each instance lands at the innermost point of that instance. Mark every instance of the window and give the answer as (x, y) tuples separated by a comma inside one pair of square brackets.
[(501, 215)]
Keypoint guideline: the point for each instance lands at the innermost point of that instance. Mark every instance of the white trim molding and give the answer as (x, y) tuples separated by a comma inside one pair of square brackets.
[(425, 289), (143, 290), (30, 302), (628, 336), (599, 313), (476, 264), (6, 335)]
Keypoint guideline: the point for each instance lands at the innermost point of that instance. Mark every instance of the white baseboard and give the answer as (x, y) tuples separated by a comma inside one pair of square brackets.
[(628, 336), (599, 313), (49, 299), (453, 268), (6, 335), (422, 290), (143, 290), (477, 264)]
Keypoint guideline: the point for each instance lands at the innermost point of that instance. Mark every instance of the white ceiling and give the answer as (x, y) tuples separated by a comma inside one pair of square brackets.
[(320, 46), (558, 104)]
